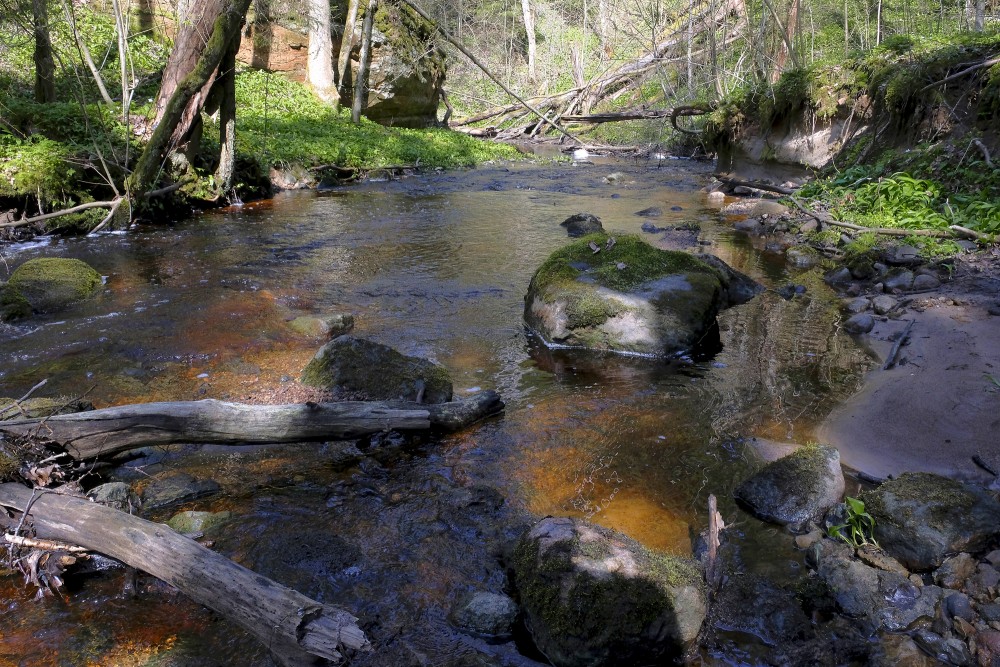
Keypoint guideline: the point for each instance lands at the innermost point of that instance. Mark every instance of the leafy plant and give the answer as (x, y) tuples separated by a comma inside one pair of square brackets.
[(859, 526)]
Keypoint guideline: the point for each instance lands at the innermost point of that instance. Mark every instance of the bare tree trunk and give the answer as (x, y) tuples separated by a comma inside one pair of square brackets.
[(298, 630), (603, 19), (361, 85), (226, 86), (191, 86), (346, 44), (81, 45), (320, 62), (788, 43), (529, 29), (980, 15), (121, 31), (106, 432), (45, 68)]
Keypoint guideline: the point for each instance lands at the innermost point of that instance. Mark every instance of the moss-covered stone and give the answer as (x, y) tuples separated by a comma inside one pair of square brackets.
[(795, 488), (921, 518), (378, 371), (595, 597), (47, 285), (629, 296)]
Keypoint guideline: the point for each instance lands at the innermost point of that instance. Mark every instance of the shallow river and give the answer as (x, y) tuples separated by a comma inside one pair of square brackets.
[(434, 265)]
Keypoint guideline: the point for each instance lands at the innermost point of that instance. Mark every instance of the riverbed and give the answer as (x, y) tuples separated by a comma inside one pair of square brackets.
[(434, 265)]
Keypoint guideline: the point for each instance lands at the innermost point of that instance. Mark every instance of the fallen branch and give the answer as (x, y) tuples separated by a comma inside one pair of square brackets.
[(45, 545), (297, 629), (953, 231), (759, 185), (642, 114), (985, 151), (968, 70), (68, 211), (105, 432), (894, 352)]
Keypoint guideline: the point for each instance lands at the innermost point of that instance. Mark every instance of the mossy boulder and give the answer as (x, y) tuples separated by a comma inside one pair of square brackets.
[(581, 224), (47, 285), (357, 365), (629, 296), (921, 518), (594, 597), (795, 488)]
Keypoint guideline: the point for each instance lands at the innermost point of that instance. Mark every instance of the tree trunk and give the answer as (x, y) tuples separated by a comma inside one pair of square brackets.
[(103, 433), (45, 69), (297, 629), (361, 85), (81, 45), (529, 29), (226, 87), (188, 95), (320, 62), (346, 44), (980, 15)]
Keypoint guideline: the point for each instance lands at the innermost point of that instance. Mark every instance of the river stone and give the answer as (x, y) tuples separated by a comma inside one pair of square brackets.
[(795, 488), (582, 224), (902, 651), (884, 304), (921, 518), (952, 650), (178, 487), (595, 597), (47, 285), (860, 323), (856, 305), (753, 604), (749, 226), (485, 614), (118, 495), (955, 570), (651, 212), (378, 371), (661, 302), (924, 282), (767, 207), (802, 257), (189, 522), (838, 277), (898, 279), (903, 255)]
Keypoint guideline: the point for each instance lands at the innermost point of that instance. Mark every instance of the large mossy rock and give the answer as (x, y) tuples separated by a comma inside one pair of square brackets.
[(629, 297), (795, 488), (921, 518), (357, 365), (47, 285), (594, 597)]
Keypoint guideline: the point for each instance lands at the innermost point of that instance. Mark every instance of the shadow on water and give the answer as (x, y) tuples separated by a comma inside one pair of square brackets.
[(437, 266)]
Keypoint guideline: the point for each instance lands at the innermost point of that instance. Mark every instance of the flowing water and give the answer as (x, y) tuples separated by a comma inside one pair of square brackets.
[(437, 266)]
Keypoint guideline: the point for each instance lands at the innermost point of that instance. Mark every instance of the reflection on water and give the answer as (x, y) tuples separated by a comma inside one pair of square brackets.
[(435, 266)]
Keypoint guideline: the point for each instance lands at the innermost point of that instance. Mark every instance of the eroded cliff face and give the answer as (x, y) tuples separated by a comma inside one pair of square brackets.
[(841, 115), (407, 71)]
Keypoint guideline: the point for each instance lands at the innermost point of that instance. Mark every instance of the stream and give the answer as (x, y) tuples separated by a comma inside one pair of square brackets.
[(434, 265)]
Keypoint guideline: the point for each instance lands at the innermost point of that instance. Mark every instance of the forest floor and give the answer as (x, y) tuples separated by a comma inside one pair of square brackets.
[(938, 409)]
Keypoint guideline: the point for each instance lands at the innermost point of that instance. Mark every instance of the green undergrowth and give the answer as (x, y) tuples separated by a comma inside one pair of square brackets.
[(281, 122)]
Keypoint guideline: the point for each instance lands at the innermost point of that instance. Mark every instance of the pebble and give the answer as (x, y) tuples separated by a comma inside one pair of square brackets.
[(840, 276), (959, 605)]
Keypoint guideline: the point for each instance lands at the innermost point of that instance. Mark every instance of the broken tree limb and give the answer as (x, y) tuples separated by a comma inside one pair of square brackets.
[(297, 629), (475, 61), (953, 230), (758, 185), (109, 431), (957, 75), (642, 114), (900, 342)]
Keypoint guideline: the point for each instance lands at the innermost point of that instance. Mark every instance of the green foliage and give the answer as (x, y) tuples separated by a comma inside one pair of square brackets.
[(282, 122), (857, 531), (38, 167)]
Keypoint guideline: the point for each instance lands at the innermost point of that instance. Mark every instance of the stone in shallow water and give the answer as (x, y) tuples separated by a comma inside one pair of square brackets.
[(582, 224), (795, 488), (861, 323), (176, 488), (486, 614)]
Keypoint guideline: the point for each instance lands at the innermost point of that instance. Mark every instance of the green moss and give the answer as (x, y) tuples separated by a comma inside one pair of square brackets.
[(9, 465), (47, 284), (642, 261), (945, 498)]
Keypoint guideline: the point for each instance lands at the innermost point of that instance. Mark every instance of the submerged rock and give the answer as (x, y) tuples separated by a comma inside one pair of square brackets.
[(921, 518), (378, 371), (627, 296), (795, 488), (594, 597), (118, 495), (486, 614), (175, 488), (582, 224), (47, 285), (189, 522)]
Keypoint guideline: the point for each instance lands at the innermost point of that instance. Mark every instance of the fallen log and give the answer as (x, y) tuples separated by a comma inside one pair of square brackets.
[(105, 432), (297, 629), (639, 114)]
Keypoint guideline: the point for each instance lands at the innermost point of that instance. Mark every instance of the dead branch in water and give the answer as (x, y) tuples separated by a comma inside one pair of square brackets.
[(953, 230)]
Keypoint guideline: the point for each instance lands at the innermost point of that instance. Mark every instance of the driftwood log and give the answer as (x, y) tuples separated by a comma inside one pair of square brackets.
[(297, 629), (109, 431)]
